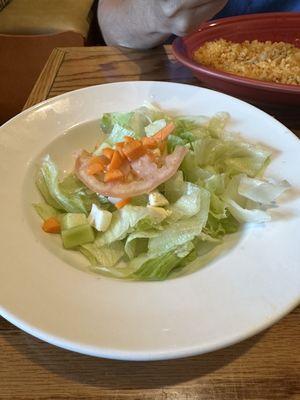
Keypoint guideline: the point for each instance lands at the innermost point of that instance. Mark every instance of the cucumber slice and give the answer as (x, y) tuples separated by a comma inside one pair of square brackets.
[(70, 220), (77, 236)]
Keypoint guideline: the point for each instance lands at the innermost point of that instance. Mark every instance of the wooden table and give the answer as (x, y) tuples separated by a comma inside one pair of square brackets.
[(266, 366)]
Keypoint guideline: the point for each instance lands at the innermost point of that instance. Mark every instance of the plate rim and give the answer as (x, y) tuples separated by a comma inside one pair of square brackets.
[(122, 355), (142, 355)]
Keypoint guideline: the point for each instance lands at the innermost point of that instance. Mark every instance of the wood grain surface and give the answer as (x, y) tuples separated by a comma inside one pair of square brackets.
[(40, 90), (265, 367)]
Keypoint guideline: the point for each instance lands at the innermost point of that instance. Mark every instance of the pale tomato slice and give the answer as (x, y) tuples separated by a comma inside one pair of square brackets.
[(149, 175)]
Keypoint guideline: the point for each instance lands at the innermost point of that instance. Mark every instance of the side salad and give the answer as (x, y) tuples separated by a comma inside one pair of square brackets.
[(157, 193)]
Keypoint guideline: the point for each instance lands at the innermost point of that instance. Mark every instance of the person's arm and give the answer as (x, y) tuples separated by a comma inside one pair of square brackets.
[(147, 23)]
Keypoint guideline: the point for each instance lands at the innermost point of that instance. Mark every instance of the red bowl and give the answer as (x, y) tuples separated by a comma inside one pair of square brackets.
[(270, 26)]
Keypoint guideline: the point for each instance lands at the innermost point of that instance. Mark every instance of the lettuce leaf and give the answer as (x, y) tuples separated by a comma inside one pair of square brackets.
[(43, 188), (217, 124), (109, 120), (183, 230), (137, 242), (188, 204), (155, 126), (126, 219), (190, 168), (106, 256), (45, 211), (216, 228), (174, 187), (150, 266), (69, 195), (237, 204), (261, 191), (157, 268)]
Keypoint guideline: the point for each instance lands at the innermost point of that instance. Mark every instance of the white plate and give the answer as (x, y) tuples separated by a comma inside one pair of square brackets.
[(253, 282)]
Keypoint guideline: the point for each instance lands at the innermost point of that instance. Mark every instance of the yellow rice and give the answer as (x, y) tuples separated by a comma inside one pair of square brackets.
[(275, 62)]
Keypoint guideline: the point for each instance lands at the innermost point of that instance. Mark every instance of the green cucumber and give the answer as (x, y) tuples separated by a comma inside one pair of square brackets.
[(78, 235), (70, 220)]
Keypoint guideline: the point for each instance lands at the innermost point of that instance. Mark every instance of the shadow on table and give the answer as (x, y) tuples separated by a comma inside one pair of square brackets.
[(110, 374), (153, 65)]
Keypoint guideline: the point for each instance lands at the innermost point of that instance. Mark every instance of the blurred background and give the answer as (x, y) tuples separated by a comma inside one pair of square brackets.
[(29, 31)]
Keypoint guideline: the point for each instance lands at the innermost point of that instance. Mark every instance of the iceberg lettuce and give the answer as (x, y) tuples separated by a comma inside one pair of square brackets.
[(124, 220), (261, 191), (218, 186), (106, 256), (69, 195), (182, 231)]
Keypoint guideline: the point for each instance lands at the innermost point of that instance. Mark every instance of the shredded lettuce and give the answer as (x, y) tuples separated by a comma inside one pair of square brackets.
[(218, 186), (155, 126), (124, 220), (174, 187), (189, 203), (110, 120), (42, 185), (182, 231), (106, 255), (237, 204), (149, 266), (137, 242), (157, 268), (69, 195), (261, 191), (45, 211)]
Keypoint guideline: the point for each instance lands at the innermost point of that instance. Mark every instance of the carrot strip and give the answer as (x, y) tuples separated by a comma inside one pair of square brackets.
[(94, 169), (114, 175), (164, 132), (128, 139), (104, 160), (116, 161), (151, 155), (120, 145), (51, 225), (108, 152), (119, 148), (134, 150), (123, 202), (149, 142), (96, 160)]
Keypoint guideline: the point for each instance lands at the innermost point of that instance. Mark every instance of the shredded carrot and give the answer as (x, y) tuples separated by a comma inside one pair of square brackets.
[(94, 169), (149, 142), (123, 202), (113, 175), (108, 152), (95, 160), (133, 150), (128, 139), (104, 160), (164, 132), (120, 145), (151, 155), (51, 225), (157, 153), (116, 161), (119, 148)]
